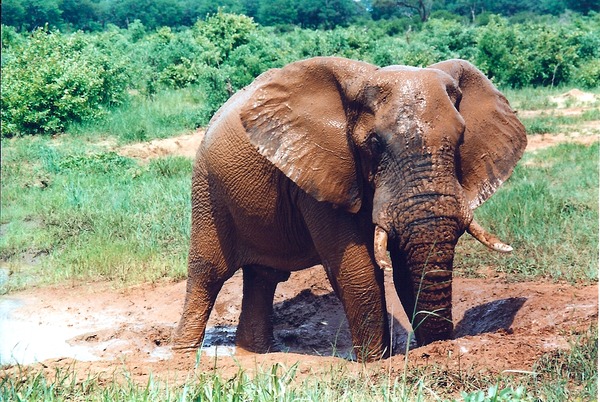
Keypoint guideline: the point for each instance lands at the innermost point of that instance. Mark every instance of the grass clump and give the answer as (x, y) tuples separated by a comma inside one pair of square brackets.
[(91, 213), (143, 118), (548, 124), (540, 97), (570, 374), (548, 211)]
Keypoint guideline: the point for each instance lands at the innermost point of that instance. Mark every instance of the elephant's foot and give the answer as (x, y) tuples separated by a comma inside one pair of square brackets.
[(257, 347), (182, 339)]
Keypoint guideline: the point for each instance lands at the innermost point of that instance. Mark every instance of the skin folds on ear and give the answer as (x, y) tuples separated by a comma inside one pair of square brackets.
[(297, 120), (494, 138)]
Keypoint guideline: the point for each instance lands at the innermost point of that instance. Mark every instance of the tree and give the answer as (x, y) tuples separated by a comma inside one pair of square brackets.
[(393, 7), (327, 13), (584, 6), (277, 12), (41, 12), (81, 14), (13, 13)]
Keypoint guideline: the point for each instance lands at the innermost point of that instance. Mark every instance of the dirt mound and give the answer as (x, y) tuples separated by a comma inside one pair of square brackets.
[(574, 96), (183, 145), (499, 326)]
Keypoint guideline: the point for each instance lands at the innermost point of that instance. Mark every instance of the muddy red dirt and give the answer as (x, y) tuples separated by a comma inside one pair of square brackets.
[(499, 326)]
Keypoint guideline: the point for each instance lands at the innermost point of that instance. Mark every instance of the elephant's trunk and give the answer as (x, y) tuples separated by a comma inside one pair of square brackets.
[(427, 261), (421, 245), (420, 232)]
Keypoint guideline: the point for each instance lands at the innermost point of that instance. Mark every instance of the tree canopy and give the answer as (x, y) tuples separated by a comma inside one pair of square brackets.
[(94, 15)]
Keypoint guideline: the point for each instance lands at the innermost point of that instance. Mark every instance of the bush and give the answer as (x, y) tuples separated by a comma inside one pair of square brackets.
[(226, 31), (535, 53), (588, 74), (261, 53), (51, 80)]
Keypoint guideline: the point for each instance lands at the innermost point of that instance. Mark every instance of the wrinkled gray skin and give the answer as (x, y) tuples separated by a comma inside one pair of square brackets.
[(335, 162)]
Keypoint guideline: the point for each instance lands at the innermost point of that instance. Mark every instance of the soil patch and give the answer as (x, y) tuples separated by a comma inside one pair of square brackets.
[(183, 145), (541, 141), (499, 326), (574, 96)]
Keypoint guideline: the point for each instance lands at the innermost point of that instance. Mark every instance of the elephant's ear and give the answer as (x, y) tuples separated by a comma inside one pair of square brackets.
[(494, 138), (297, 120)]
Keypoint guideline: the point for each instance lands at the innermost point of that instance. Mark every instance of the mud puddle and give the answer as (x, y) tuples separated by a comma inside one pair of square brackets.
[(499, 326), (25, 341)]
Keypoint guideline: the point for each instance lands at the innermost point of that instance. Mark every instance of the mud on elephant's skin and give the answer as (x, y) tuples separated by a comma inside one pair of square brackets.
[(338, 162)]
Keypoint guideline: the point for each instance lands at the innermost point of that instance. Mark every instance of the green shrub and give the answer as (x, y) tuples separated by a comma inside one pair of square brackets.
[(226, 31), (53, 79), (261, 53), (517, 55), (588, 74)]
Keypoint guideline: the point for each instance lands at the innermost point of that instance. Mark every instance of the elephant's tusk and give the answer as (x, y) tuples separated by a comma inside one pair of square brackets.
[(487, 239), (381, 255)]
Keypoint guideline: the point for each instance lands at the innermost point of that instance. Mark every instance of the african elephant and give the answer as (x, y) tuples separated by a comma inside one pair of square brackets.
[(338, 162)]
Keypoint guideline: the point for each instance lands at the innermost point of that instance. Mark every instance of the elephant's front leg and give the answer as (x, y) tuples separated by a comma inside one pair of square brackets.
[(203, 285), (359, 285), (255, 330), (344, 245)]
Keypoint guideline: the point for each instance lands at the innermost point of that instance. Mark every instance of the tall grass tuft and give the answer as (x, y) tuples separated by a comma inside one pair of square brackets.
[(548, 211), (144, 118)]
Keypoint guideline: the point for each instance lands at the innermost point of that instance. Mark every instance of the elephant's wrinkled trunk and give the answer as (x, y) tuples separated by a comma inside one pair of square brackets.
[(427, 260), (420, 231)]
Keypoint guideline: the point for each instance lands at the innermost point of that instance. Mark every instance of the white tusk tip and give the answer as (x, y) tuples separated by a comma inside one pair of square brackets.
[(503, 248)]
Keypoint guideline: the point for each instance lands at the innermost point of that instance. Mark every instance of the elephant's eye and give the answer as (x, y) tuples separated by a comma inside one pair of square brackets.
[(375, 143)]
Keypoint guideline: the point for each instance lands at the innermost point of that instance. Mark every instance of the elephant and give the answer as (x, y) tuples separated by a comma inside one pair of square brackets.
[(359, 168)]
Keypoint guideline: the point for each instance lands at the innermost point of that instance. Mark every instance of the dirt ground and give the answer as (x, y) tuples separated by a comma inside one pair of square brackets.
[(101, 330), (499, 326)]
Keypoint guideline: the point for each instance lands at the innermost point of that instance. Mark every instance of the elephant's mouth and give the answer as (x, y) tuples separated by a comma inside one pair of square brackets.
[(489, 240)]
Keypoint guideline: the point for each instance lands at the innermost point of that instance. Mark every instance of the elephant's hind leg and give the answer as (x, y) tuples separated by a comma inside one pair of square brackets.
[(203, 286), (255, 330)]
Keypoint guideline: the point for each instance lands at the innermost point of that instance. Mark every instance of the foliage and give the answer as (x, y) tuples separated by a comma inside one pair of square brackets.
[(226, 32), (394, 7), (531, 54), (95, 15), (52, 80)]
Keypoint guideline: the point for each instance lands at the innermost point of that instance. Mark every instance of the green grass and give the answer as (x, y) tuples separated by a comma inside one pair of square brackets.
[(144, 118), (548, 211), (548, 124), (70, 210), (538, 98), (561, 375)]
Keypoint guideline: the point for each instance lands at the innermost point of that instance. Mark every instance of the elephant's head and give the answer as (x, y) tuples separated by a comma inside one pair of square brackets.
[(420, 148)]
